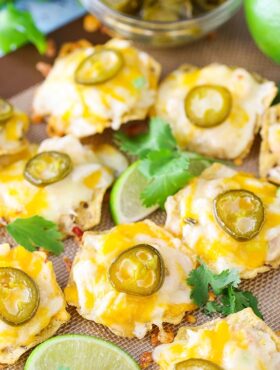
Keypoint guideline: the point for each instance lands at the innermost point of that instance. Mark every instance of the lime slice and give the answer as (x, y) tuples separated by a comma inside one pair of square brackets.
[(125, 201), (79, 352)]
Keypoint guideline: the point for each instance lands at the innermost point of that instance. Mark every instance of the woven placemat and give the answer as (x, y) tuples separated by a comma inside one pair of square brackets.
[(231, 45)]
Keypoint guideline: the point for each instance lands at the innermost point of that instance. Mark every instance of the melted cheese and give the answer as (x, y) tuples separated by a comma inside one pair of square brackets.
[(235, 135), (17, 339), (85, 110), (19, 198), (90, 290), (270, 148), (274, 138), (207, 239), (229, 343), (12, 133)]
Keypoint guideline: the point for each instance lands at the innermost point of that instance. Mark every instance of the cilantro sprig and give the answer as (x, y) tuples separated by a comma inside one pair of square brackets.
[(17, 27), (167, 172), (166, 167), (36, 232), (159, 136), (229, 299)]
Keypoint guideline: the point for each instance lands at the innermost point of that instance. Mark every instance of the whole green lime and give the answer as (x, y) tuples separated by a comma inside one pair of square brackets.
[(263, 18)]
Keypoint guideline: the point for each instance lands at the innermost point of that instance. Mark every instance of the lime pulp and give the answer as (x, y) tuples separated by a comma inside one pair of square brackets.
[(79, 352)]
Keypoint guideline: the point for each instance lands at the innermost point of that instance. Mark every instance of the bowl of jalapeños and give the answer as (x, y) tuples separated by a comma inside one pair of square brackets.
[(163, 22)]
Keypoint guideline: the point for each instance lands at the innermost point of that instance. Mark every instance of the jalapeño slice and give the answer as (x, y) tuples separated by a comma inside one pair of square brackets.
[(138, 271), (6, 110), (240, 213), (19, 296), (197, 364), (208, 105), (159, 13), (208, 5), (101, 66), (124, 6), (47, 168)]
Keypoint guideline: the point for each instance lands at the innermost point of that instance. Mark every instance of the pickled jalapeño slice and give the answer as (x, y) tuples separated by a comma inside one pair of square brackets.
[(240, 213), (197, 364), (208, 5), (101, 66), (19, 296), (6, 110), (208, 105), (47, 168), (159, 13), (124, 6), (138, 271)]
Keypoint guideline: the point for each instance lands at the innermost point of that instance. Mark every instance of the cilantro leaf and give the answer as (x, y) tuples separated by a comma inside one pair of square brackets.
[(199, 281), (226, 278), (166, 168), (17, 28), (168, 173), (198, 162), (36, 232), (229, 299), (235, 300), (202, 278), (158, 137), (212, 308), (253, 303)]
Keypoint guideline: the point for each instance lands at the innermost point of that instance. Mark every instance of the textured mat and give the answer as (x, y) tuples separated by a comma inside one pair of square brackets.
[(231, 45)]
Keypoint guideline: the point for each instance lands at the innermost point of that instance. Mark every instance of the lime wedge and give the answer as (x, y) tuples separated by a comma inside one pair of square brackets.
[(125, 201), (79, 352)]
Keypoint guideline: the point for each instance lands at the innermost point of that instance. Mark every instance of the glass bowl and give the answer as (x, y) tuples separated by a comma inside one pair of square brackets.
[(162, 34)]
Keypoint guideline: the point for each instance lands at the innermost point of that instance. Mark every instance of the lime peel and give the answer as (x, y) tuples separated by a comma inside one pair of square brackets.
[(76, 352)]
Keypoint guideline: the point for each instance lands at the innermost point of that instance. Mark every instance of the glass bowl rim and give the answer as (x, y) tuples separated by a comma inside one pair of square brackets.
[(162, 25)]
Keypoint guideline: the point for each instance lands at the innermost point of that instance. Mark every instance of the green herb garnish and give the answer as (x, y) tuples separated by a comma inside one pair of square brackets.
[(167, 168), (17, 27), (159, 136), (167, 172), (36, 232), (229, 299)]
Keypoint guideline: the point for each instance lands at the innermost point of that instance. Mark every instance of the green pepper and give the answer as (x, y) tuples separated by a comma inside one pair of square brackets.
[(6, 110), (124, 6), (240, 213), (197, 364), (138, 271), (159, 13), (47, 168), (208, 105), (19, 296), (164, 10), (99, 67)]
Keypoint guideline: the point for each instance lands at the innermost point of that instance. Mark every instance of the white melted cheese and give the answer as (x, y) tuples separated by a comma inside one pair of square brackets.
[(207, 239), (85, 110), (231, 343), (18, 197), (12, 133), (51, 306), (274, 138), (234, 136), (125, 314)]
